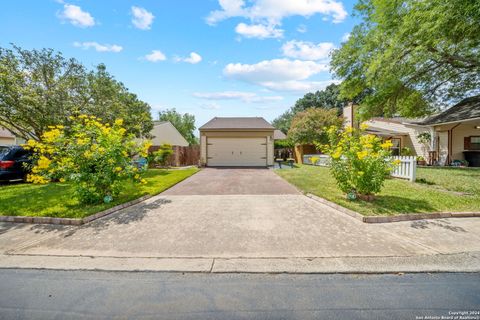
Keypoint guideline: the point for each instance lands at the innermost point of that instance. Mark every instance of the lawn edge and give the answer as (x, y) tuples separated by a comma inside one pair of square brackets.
[(393, 218), (90, 218), (73, 221)]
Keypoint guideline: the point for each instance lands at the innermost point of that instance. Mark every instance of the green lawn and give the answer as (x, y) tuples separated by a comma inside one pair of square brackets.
[(437, 190), (56, 199)]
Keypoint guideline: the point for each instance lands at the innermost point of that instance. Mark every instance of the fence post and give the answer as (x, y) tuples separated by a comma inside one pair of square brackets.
[(414, 169)]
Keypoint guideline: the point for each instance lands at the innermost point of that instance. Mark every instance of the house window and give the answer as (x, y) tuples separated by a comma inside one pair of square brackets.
[(396, 146), (475, 143)]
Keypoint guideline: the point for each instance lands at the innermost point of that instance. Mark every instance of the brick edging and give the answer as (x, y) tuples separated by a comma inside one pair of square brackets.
[(70, 221), (396, 218)]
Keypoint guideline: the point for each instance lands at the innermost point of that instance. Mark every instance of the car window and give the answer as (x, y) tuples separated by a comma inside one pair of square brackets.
[(4, 151)]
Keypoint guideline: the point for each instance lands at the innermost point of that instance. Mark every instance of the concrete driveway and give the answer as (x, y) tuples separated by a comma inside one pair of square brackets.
[(208, 220), (228, 181)]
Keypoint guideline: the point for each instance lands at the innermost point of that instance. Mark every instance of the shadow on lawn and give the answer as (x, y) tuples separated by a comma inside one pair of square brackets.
[(398, 205), (129, 215)]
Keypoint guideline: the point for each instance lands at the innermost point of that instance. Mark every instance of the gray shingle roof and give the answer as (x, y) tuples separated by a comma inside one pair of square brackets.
[(466, 109), (279, 135), (240, 123)]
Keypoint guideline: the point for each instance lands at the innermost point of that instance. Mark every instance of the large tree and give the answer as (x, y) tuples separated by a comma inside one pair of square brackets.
[(184, 123), (326, 99), (410, 55), (41, 88), (308, 127)]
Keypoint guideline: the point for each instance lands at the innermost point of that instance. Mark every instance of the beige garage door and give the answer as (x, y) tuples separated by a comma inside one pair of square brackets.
[(243, 152)]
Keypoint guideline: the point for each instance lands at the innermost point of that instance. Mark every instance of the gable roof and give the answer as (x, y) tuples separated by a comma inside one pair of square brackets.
[(279, 135), (238, 123), (165, 132), (464, 110)]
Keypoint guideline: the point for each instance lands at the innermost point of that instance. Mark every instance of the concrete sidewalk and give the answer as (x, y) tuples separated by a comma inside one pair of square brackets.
[(243, 233)]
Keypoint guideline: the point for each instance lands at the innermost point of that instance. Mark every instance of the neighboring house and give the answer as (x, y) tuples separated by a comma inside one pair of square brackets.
[(164, 132), (279, 135), (245, 142), (455, 133), (7, 138)]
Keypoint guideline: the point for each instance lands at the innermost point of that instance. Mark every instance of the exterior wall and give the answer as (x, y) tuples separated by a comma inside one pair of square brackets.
[(203, 149), (4, 141), (465, 129), (237, 134), (409, 140), (167, 133)]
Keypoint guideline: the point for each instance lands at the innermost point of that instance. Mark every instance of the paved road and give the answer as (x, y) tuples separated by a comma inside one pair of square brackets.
[(28, 294)]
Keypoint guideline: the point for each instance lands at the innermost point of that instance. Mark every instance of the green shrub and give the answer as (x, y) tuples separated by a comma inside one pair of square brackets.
[(161, 155)]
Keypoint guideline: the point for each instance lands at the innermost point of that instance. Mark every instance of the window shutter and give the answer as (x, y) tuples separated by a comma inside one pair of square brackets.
[(466, 143)]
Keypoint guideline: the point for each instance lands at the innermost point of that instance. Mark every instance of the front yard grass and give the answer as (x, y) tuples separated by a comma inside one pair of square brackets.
[(57, 200), (437, 190)]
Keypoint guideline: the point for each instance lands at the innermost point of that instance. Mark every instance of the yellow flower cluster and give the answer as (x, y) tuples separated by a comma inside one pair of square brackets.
[(387, 144), (37, 179)]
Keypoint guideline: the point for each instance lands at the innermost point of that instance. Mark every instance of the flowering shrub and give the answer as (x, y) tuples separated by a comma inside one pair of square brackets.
[(359, 161), (95, 157)]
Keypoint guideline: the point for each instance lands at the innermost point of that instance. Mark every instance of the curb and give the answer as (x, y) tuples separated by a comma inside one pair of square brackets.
[(457, 262), (396, 218), (70, 221)]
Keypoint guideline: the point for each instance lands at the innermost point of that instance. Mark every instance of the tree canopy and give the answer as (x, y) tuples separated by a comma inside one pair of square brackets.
[(409, 56), (308, 127), (41, 88), (184, 123), (326, 99)]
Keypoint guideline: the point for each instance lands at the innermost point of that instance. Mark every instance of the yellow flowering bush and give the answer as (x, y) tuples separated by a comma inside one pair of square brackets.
[(95, 157), (360, 162)]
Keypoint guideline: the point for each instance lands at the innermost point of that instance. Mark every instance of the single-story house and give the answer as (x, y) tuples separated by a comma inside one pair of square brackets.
[(7, 138), (454, 132), (164, 132), (237, 141)]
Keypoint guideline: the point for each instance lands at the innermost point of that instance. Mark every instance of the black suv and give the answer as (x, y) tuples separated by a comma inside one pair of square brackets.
[(14, 162)]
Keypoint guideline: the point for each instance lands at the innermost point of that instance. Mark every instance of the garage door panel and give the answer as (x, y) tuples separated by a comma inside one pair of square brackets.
[(236, 151)]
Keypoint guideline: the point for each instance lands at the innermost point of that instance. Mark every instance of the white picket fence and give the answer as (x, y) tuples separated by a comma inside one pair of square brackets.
[(407, 169)]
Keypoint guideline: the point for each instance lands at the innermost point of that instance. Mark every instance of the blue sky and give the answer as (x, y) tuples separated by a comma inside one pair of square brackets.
[(206, 57)]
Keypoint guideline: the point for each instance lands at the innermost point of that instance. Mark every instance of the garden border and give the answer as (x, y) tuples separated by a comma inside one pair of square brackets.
[(395, 218), (72, 221)]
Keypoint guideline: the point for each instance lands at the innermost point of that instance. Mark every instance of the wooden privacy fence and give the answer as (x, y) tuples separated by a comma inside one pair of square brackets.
[(407, 169), (182, 156)]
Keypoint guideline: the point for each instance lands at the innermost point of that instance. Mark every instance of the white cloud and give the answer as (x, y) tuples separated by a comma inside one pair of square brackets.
[(307, 50), (193, 58), (155, 56), (142, 19), (98, 47), (274, 70), (249, 97), (298, 86), (274, 11), (259, 31), (345, 37), (210, 106), (278, 74), (76, 16), (302, 28)]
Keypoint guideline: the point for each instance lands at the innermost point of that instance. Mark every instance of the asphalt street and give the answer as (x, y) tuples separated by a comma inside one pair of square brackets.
[(47, 294)]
